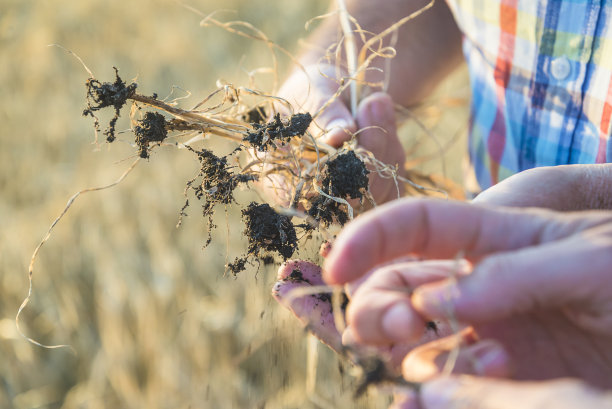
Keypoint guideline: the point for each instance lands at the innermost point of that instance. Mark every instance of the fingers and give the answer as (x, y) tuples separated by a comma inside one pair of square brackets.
[(426, 362), (378, 135), (337, 123), (484, 358), (442, 229), (376, 116), (571, 271), (381, 311), (314, 310), (484, 393)]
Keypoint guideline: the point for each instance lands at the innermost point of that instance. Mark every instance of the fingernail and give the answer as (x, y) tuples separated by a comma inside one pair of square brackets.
[(382, 112), (397, 322), (489, 358), (439, 393), (337, 124), (337, 132), (435, 300)]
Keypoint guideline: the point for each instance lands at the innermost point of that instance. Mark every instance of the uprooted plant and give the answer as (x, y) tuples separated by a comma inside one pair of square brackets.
[(320, 179), (272, 142)]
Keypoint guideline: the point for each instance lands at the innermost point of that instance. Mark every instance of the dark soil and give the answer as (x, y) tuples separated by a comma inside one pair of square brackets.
[(237, 266), (102, 95), (264, 136), (267, 260), (268, 232), (345, 176), (327, 211), (214, 184), (432, 326), (150, 129)]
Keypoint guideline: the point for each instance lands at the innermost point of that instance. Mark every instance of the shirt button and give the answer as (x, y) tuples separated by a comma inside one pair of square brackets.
[(560, 68)]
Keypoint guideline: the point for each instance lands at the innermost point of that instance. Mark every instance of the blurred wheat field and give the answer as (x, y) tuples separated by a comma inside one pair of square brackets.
[(154, 321)]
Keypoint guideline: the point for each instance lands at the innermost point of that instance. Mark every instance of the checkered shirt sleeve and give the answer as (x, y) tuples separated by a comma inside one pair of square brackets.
[(541, 79)]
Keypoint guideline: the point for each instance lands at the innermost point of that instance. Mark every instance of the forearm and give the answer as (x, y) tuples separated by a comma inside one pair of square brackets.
[(428, 47)]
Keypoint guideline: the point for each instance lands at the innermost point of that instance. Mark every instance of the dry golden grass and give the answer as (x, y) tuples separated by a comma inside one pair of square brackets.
[(152, 318)]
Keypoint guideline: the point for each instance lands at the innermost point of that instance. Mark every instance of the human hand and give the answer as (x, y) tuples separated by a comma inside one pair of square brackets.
[(461, 392), (537, 289), (315, 310), (563, 188), (374, 127)]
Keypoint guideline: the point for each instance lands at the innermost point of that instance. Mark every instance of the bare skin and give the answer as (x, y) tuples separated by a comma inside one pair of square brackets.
[(430, 45), (530, 334), (533, 298)]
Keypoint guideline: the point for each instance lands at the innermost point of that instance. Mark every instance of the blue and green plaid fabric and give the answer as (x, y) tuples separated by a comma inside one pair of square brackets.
[(540, 75)]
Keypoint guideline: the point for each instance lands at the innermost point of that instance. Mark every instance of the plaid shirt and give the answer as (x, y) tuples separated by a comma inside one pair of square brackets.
[(541, 78)]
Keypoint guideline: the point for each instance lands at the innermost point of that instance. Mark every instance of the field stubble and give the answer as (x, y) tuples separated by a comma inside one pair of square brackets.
[(154, 321)]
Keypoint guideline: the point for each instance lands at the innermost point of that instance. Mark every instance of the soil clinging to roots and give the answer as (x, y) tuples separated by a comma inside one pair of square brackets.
[(150, 129), (105, 94), (264, 136), (327, 211), (268, 232), (214, 184), (345, 176)]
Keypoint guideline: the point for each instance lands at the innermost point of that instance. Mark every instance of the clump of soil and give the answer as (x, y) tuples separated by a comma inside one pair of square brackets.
[(327, 211), (214, 184), (268, 232), (265, 135), (345, 176), (102, 95), (237, 266), (150, 129)]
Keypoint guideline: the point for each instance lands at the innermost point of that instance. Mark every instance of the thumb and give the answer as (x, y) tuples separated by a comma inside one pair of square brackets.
[(569, 271), (486, 393), (336, 123)]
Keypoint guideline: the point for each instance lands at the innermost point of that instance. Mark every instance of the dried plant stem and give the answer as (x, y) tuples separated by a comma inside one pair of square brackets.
[(453, 355), (391, 29), (44, 240), (337, 309), (336, 199), (198, 121), (351, 53), (311, 364)]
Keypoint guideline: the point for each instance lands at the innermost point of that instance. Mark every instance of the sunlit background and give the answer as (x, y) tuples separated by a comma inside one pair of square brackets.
[(151, 316)]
